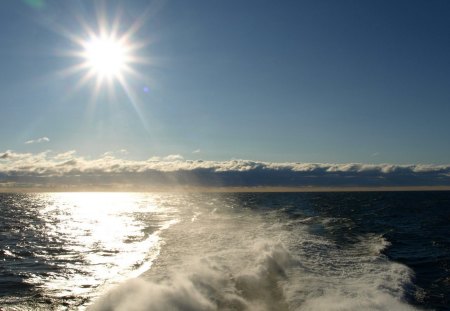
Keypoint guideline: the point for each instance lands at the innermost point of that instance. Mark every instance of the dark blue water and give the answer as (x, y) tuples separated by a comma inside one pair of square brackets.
[(62, 251), (416, 224)]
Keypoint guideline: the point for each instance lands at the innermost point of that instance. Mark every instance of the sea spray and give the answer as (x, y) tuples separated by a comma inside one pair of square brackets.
[(208, 286), (221, 256)]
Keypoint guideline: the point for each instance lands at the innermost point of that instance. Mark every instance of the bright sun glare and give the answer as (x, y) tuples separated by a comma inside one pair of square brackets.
[(108, 54), (105, 56)]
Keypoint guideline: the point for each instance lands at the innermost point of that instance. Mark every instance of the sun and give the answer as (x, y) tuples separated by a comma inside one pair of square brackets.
[(108, 54), (106, 57)]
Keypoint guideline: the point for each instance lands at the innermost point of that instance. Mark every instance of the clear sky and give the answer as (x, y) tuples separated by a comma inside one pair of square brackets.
[(281, 81)]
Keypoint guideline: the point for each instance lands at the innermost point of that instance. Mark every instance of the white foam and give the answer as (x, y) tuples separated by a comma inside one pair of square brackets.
[(250, 261), (208, 285)]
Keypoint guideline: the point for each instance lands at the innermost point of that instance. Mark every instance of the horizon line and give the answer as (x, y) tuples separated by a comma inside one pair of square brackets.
[(256, 189)]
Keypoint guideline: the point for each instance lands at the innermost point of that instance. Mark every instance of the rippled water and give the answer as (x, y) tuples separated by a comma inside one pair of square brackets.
[(60, 249), (297, 251)]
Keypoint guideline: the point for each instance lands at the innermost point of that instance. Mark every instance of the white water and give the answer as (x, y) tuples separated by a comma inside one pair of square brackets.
[(220, 256)]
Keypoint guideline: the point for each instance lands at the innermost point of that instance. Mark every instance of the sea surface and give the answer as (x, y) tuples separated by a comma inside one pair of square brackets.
[(225, 251)]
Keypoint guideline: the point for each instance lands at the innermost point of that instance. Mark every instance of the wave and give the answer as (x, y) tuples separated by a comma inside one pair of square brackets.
[(209, 286), (219, 260)]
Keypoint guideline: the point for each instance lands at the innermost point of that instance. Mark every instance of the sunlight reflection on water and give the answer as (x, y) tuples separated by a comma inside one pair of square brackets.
[(97, 239)]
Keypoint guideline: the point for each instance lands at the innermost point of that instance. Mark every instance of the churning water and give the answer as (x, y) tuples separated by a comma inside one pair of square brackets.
[(235, 251)]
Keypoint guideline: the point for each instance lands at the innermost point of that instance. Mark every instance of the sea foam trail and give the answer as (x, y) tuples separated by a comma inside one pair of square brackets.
[(221, 256), (208, 286)]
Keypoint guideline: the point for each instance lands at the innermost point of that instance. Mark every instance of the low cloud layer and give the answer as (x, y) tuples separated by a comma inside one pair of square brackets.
[(48, 169)]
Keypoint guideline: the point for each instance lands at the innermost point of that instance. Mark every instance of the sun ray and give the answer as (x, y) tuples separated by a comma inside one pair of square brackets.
[(131, 96)]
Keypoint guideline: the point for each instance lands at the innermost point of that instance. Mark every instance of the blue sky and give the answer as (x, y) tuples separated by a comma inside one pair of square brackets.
[(278, 81)]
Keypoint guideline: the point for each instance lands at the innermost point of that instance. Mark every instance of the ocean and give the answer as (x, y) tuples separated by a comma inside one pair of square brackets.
[(225, 251)]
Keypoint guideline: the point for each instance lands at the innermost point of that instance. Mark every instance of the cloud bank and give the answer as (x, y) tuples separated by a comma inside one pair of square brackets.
[(48, 169)]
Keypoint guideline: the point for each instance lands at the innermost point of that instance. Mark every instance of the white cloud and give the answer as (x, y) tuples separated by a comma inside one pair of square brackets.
[(112, 153), (38, 140), (65, 155), (169, 158), (173, 157), (70, 168), (196, 151)]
